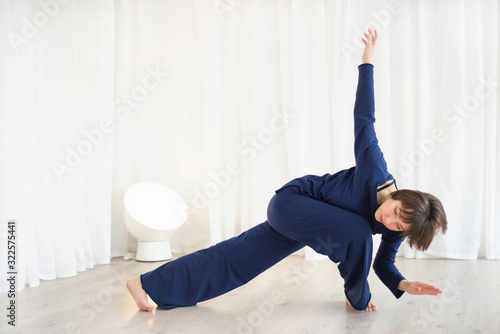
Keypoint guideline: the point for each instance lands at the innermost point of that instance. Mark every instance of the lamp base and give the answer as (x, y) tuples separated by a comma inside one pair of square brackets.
[(153, 251)]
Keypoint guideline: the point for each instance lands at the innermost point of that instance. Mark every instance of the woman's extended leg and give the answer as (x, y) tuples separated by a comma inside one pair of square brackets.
[(340, 234), (216, 270)]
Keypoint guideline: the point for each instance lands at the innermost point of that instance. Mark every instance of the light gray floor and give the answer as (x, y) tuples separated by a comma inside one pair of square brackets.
[(295, 296)]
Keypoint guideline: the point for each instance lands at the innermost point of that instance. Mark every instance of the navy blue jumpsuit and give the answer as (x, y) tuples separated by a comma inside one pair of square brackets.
[(333, 214)]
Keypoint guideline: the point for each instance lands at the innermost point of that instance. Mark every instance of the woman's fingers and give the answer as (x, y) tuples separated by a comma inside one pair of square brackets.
[(428, 287), (374, 37), (419, 288), (371, 36)]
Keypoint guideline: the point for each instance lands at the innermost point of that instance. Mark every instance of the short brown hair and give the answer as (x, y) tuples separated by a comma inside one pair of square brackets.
[(425, 215)]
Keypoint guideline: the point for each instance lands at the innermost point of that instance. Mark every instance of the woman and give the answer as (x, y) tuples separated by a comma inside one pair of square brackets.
[(335, 214)]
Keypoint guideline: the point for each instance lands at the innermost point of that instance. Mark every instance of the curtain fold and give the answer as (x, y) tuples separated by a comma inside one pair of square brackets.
[(225, 101)]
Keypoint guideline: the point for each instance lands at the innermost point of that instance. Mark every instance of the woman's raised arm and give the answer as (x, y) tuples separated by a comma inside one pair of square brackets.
[(370, 161)]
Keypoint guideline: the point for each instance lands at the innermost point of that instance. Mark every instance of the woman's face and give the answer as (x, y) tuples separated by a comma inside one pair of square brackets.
[(388, 214)]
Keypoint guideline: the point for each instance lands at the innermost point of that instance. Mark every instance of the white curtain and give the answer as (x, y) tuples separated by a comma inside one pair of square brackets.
[(56, 84), (225, 101), (443, 94)]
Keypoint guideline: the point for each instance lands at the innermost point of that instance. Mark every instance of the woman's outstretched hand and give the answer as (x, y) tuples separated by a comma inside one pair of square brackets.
[(370, 42), (418, 288)]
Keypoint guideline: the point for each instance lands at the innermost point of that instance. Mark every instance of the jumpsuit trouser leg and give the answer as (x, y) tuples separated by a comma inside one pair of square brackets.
[(213, 271), (294, 220)]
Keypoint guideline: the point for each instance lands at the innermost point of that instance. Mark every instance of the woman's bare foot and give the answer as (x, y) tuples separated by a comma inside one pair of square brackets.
[(134, 286), (370, 307)]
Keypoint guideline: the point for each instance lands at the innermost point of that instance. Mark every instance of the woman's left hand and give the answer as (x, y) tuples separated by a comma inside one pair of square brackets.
[(370, 42), (418, 288)]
